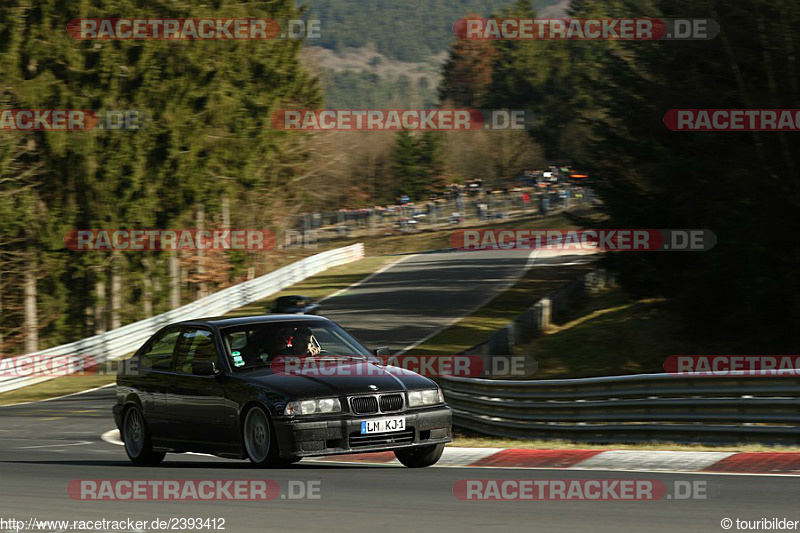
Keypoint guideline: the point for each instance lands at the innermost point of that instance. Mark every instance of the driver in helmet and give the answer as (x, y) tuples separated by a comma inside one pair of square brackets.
[(301, 341)]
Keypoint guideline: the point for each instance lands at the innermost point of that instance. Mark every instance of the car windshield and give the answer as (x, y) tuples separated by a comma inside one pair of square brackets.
[(288, 301), (257, 345)]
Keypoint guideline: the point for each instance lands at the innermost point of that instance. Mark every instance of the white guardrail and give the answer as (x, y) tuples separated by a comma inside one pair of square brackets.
[(122, 341)]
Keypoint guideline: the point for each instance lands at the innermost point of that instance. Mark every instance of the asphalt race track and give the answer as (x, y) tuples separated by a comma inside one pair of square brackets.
[(424, 293), (421, 294), (46, 445)]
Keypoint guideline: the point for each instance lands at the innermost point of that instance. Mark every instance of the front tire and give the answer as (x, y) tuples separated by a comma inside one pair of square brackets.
[(260, 442), (136, 436), (421, 456)]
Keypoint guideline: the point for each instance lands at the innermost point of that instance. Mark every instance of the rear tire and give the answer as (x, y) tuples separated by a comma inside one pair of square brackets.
[(420, 456), (260, 442), (136, 436)]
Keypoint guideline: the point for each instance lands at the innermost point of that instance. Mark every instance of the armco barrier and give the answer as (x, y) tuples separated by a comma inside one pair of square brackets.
[(122, 341), (638, 408)]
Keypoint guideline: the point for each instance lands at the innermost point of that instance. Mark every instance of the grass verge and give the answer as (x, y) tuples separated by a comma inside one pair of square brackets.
[(612, 334), (536, 283), (55, 387)]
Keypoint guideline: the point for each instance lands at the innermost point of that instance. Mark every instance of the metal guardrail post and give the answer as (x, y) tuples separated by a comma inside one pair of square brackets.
[(544, 309)]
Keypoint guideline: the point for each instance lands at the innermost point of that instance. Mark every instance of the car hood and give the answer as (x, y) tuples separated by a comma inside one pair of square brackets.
[(361, 377)]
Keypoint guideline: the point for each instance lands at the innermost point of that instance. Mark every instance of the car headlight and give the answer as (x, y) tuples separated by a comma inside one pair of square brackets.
[(310, 407), (419, 398)]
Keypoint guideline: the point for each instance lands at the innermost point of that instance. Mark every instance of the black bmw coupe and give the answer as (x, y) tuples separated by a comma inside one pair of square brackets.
[(273, 389)]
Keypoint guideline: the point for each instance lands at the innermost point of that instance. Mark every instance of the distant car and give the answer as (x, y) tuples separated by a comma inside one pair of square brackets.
[(212, 386), (295, 304)]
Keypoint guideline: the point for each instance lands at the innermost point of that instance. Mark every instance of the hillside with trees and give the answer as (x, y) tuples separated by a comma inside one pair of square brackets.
[(395, 48), (409, 31)]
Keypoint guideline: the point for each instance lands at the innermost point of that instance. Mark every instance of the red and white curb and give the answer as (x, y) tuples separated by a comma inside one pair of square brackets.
[(773, 463)]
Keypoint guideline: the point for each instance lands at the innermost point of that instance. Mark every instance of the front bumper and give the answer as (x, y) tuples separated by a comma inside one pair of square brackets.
[(307, 438)]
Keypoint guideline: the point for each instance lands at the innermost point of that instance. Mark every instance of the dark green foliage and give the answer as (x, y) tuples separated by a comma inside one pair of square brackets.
[(742, 186), (418, 164), (206, 108)]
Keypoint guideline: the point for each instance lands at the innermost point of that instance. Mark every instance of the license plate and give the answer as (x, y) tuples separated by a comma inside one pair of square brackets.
[(383, 425)]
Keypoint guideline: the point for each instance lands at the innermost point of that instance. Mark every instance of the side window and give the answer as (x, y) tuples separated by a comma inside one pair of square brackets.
[(196, 345), (238, 340), (159, 355)]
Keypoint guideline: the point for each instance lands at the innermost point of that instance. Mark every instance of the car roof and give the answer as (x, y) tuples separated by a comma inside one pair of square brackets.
[(225, 322)]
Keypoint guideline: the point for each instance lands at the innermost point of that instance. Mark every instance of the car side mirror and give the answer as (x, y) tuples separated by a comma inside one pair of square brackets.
[(204, 368), (382, 351)]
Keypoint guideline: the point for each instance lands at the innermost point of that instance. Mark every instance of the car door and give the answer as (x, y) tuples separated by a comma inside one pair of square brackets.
[(196, 404), (154, 379)]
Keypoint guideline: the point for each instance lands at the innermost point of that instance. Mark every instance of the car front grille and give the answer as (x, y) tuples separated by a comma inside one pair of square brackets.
[(364, 405), (400, 437), (369, 405), (391, 402)]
